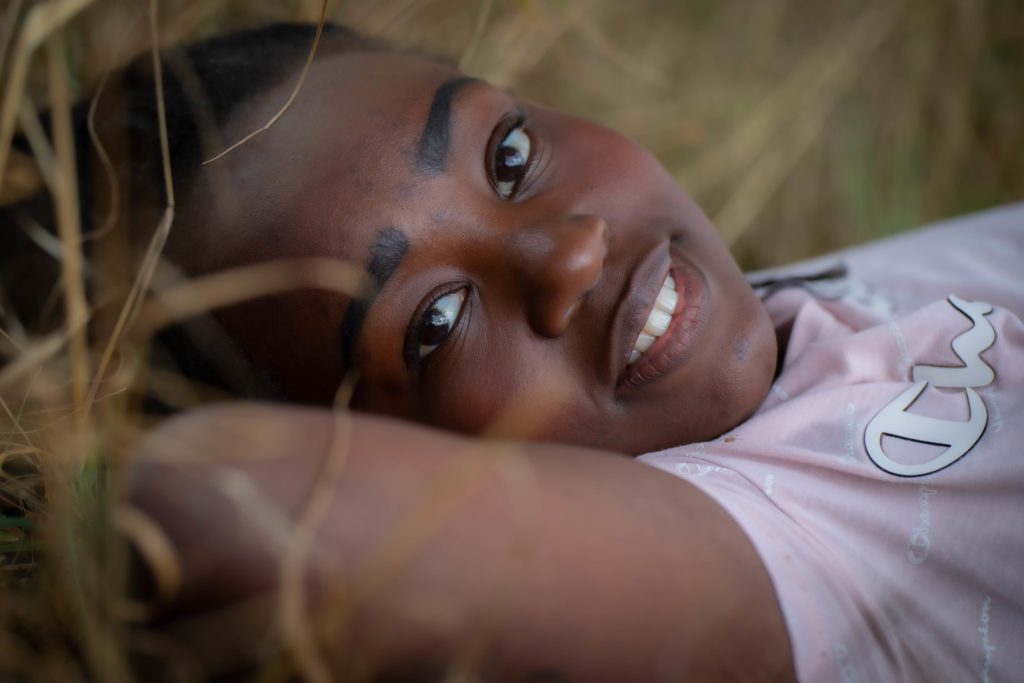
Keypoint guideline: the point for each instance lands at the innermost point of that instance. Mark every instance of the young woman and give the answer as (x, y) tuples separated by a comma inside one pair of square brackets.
[(850, 514)]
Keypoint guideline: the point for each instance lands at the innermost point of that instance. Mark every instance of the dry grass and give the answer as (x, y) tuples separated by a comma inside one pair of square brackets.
[(801, 126)]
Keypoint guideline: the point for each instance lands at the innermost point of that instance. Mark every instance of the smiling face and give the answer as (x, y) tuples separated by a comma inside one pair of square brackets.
[(539, 276)]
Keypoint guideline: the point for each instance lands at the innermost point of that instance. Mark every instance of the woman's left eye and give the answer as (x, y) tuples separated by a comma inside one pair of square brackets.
[(435, 324), (511, 159)]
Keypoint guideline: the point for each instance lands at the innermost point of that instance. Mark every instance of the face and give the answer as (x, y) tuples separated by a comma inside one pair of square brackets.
[(537, 275)]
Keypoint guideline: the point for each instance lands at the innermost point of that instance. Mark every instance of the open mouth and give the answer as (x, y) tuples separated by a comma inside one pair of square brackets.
[(673, 325)]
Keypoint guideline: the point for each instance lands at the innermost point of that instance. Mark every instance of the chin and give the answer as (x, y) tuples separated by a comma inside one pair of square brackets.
[(740, 388)]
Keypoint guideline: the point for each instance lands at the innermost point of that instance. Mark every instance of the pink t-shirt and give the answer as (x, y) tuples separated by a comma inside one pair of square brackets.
[(882, 480)]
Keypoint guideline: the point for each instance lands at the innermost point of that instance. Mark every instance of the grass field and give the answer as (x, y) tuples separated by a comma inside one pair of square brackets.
[(800, 126)]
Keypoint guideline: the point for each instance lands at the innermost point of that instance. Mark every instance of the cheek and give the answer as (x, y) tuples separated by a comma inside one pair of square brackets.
[(760, 355), (746, 365), (508, 388), (478, 398)]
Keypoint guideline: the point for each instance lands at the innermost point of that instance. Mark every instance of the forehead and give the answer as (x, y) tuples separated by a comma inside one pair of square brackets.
[(315, 182)]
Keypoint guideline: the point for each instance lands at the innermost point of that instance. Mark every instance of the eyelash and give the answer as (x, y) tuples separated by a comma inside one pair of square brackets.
[(517, 121), (411, 348)]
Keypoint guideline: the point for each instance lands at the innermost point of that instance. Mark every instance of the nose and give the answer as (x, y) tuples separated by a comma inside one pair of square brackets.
[(559, 260)]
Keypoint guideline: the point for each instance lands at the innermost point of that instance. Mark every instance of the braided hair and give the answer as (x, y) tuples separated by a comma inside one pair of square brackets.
[(204, 85)]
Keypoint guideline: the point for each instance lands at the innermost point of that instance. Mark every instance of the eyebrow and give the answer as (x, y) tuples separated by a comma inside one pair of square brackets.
[(386, 254), (432, 151)]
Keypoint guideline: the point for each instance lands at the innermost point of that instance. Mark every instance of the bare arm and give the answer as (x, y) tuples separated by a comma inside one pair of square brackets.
[(416, 549)]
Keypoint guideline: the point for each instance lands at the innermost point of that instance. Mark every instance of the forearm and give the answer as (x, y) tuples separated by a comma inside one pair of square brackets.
[(430, 548)]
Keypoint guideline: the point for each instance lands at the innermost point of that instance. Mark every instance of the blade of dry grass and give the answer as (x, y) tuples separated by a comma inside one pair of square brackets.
[(16, 422), (529, 411), (297, 628), (210, 292), (42, 151), (827, 68), (478, 31), (160, 235), (38, 355), (69, 227), (521, 40), (4, 455), (108, 168), (291, 98), (18, 347), (224, 288), (161, 110), (439, 503), (386, 21), (605, 46), (159, 554), (831, 77), (10, 20), (40, 22), (131, 307)]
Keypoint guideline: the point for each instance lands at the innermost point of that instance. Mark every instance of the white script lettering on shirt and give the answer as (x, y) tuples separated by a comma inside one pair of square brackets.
[(958, 436), (696, 469), (919, 543), (985, 644)]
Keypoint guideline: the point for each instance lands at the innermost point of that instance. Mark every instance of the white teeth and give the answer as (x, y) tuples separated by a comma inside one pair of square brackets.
[(658, 320), (643, 342), (667, 299)]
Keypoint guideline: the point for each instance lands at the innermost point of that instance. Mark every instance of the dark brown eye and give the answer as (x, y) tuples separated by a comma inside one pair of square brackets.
[(510, 161), (434, 327), (437, 322)]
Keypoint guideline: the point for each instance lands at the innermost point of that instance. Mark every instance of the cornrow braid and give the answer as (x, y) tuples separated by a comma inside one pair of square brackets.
[(204, 85)]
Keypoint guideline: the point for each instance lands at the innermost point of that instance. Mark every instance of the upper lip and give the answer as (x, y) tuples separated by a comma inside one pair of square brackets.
[(641, 290)]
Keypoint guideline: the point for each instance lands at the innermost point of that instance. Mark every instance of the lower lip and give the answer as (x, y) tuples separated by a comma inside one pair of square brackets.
[(675, 347)]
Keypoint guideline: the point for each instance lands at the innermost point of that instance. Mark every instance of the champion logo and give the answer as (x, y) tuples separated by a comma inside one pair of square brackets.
[(958, 436)]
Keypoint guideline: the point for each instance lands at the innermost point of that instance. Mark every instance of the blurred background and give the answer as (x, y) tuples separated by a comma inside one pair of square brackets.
[(801, 126)]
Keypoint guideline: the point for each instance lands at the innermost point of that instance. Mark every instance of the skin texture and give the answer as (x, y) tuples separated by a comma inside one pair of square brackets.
[(423, 552), (557, 279)]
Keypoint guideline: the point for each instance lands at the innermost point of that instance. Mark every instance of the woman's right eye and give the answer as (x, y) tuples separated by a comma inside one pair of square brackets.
[(510, 157), (434, 325)]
